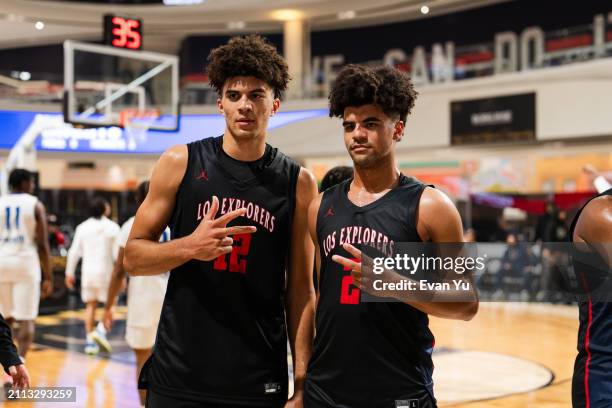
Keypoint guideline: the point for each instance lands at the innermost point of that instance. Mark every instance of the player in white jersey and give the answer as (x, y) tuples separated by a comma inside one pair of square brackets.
[(23, 250), (93, 241), (145, 297)]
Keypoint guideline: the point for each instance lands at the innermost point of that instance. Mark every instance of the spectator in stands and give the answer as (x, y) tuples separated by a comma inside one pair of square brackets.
[(500, 231), (547, 224), (57, 241), (550, 232), (469, 235)]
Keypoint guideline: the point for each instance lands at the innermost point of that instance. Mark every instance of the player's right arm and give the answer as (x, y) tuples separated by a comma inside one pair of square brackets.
[(117, 278), (74, 254), (144, 254)]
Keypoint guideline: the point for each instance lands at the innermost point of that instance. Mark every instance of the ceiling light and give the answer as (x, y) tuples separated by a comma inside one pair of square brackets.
[(182, 2), (424, 9), (25, 76), (287, 15), (236, 25), (39, 25), (347, 15)]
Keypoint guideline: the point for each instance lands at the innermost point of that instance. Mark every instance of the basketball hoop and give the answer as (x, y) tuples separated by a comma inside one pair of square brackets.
[(136, 123)]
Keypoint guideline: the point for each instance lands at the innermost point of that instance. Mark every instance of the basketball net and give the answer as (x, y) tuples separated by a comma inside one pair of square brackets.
[(136, 123)]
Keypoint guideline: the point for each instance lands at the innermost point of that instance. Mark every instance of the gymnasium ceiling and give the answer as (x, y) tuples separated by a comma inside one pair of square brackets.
[(82, 20)]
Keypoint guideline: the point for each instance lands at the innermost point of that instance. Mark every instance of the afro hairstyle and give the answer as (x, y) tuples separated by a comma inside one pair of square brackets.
[(358, 85), (250, 55)]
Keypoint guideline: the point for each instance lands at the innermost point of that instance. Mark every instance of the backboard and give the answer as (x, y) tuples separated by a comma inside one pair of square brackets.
[(103, 85)]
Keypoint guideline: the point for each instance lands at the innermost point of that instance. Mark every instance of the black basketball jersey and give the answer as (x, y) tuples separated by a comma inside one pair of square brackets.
[(592, 381), (222, 333), (367, 355)]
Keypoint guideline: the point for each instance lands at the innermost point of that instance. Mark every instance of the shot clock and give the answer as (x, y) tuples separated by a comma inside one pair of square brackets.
[(123, 32)]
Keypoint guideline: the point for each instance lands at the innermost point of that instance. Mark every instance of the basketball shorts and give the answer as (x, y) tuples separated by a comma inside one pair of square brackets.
[(592, 381), (94, 293), (140, 338), (144, 309), (156, 400), (19, 300), (315, 397)]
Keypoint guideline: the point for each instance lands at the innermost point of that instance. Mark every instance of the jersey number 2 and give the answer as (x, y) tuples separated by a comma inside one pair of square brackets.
[(349, 294), (242, 244)]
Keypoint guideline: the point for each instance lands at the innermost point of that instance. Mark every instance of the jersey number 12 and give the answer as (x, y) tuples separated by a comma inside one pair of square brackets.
[(237, 263)]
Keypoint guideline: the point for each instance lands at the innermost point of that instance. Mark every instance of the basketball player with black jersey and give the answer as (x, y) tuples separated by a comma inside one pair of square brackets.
[(369, 355), (9, 360), (591, 233), (222, 336)]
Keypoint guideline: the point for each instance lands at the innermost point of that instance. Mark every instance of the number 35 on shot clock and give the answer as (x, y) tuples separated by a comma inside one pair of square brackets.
[(123, 32)]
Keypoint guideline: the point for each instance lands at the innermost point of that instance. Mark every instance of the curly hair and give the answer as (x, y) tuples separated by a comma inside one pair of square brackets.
[(385, 86), (250, 55)]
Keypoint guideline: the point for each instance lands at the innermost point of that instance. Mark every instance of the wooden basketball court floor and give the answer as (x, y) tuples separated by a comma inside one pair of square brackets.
[(509, 355)]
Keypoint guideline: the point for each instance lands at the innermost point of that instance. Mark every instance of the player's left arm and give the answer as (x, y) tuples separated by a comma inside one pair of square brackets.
[(300, 289), (439, 222), (42, 244)]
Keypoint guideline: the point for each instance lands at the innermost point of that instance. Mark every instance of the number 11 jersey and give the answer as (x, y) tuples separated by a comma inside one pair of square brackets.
[(18, 250)]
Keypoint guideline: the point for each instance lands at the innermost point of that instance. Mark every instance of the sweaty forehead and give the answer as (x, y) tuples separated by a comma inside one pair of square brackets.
[(360, 113), (245, 84)]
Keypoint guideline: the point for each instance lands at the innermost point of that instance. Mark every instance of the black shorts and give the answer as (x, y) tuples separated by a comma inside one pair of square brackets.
[(314, 397), (592, 387), (155, 400)]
